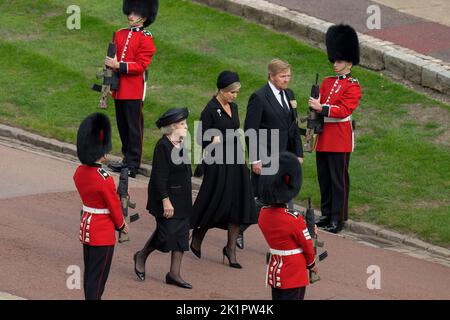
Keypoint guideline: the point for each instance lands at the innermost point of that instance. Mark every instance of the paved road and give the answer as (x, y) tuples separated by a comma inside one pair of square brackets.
[(39, 241), (423, 26)]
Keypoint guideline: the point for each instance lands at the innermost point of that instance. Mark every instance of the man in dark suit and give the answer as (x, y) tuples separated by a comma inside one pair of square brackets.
[(272, 107)]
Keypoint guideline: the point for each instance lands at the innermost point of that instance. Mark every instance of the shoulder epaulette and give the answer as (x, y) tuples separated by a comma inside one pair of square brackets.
[(354, 80), (147, 33), (103, 173), (293, 213)]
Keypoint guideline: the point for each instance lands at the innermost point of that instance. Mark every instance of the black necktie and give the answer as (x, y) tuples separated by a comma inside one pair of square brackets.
[(283, 102)]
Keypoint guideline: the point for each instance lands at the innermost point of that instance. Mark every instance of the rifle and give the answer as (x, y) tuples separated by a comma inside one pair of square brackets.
[(122, 191), (314, 122), (110, 78), (311, 225)]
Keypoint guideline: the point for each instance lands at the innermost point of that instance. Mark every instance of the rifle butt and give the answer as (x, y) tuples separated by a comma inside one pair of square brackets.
[(310, 141), (102, 105)]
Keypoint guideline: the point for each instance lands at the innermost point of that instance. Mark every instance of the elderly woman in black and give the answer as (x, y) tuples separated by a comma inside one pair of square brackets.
[(225, 199), (169, 197)]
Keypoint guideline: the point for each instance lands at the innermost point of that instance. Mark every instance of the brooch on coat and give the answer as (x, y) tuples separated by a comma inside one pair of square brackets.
[(219, 112)]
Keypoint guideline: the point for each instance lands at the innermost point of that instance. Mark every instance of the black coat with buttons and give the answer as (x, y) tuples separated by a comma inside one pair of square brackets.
[(169, 180)]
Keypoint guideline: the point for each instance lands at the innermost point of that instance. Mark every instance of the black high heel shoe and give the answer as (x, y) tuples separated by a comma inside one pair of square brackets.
[(170, 280), (140, 275), (232, 264), (197, 253)]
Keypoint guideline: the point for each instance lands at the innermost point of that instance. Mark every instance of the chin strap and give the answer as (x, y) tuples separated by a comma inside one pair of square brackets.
[(138, 20)]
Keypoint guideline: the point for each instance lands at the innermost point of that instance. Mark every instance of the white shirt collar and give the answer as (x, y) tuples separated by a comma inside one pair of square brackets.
[(277, 95), (276, 92)]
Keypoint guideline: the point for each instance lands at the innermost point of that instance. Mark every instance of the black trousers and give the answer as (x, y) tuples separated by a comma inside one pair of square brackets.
[(289, 294), (334, 182), (97, 262), (130, 123)]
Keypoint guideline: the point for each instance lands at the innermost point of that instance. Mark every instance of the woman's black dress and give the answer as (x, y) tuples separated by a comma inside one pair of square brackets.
[(226, 195), (173, 181)]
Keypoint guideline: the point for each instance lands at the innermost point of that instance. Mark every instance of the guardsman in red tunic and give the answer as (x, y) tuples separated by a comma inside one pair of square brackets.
[(339, 97), (101, 209), (135, 50), (291, 247)]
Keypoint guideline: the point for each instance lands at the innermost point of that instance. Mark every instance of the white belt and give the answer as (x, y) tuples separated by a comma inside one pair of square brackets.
[(95, 210), (285, 252), (328, 119)]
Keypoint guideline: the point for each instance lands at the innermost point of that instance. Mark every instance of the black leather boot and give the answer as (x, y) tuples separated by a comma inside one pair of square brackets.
[(323, 221), (334, 227)]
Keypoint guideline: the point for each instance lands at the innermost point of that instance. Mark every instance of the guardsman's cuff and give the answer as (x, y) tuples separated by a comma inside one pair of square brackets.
[(123, 68), (122, 227), (312, 265), (325, 110)]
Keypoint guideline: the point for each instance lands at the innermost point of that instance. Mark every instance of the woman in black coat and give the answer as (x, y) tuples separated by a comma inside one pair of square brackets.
[(225, 199), (169, 197)]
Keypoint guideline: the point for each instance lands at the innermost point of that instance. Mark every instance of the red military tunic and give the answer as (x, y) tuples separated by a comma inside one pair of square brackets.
[(285, 230), (98, 191), (135, 49), (341, 96)]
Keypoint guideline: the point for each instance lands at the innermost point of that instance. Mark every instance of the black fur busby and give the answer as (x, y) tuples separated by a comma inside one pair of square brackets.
[(342, 44), (283, 186), (93, 138), (145, 8)]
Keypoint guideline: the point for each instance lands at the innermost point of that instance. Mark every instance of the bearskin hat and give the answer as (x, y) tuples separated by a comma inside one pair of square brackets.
[(283, 186), (145, 8), (93, 138), (342, 44)]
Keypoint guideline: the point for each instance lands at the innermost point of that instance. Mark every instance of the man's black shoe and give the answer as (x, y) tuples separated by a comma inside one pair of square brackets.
[(240, 240), (323, 221), (334, 227), (116, 166)]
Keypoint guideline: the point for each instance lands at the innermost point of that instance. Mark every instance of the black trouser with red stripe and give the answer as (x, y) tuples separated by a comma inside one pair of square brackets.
[(97, 262), (130, 123), (334, 182), (289, 294)]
